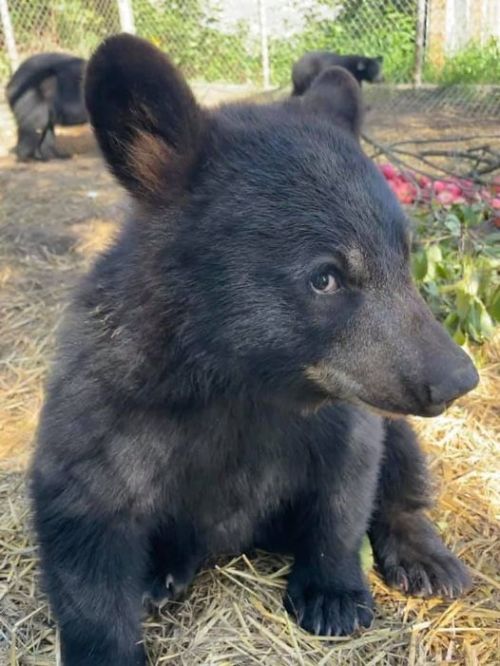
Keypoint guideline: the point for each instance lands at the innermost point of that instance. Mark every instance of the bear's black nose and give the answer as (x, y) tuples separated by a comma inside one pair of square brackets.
[(452, 385)]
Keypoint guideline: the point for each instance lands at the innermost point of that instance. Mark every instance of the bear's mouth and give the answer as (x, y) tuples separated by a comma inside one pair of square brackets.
[(379, 410), (392, 410), (427, 411)]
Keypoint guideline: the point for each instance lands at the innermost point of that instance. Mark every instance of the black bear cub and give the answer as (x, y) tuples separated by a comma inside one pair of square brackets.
[(219, 370), (44, 92), (311, 64)]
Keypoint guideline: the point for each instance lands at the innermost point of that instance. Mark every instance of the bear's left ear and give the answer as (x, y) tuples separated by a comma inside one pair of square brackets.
[(336, 95), (380, 59), (146, 120)]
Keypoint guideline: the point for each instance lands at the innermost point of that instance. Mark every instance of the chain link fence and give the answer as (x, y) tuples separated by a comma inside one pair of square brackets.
[(438, 54)]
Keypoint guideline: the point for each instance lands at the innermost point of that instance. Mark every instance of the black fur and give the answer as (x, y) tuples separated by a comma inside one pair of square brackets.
[(311, 64), (44, 92), (335, 95), (209, 395)]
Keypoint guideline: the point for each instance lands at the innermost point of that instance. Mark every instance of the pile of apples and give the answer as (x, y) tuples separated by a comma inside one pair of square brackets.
[(412, 188)]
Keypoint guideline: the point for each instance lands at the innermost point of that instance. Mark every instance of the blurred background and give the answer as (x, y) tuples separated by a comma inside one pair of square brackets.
[(439, 55)]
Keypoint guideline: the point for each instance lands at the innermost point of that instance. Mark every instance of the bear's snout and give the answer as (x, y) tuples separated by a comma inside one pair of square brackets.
[(446, 387), (412, 366)]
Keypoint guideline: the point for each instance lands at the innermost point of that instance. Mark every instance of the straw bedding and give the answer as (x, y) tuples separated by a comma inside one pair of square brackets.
[(53, 218)]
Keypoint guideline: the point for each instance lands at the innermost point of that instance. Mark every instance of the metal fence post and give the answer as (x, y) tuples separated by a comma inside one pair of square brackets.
[(8, 31), (264, 44), (420, 41), (126, 14)]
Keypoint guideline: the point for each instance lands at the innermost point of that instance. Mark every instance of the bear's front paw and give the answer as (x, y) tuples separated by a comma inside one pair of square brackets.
[(328, 610)]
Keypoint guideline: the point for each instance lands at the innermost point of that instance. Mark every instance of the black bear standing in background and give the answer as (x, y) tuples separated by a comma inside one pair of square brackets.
[(45, 91), (218, 368), (307, 68)]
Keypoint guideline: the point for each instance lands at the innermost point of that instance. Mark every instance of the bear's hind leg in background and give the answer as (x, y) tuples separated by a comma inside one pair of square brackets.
[(48, 147), (27, 144), (32, 115), (408, 551)]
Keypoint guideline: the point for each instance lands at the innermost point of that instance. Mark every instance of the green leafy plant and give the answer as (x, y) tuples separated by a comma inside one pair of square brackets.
[(74, 25), (456, 264), (366, 555), (475, 63), (188, 32)]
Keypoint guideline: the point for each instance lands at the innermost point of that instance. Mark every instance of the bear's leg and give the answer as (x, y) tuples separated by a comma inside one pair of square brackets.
[(48, 146), (27, 143), (93, 574), (175, 556), (32, 116), (327, 591), (409, 553)]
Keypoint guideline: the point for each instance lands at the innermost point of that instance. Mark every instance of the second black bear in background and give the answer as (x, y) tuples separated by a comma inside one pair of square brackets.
[(310, 65), (44, 92)]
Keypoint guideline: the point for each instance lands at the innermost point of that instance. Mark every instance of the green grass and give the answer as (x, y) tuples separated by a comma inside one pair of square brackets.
[(476, 63)]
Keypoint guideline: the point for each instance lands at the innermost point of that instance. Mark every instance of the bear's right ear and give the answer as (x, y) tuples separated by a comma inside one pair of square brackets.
[(146, 120), (336, 95)]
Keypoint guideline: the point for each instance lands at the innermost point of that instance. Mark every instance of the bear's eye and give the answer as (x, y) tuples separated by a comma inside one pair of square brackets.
[(324, 280)]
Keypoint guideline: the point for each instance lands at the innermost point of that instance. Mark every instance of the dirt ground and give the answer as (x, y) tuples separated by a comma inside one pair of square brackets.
[(54, 218)]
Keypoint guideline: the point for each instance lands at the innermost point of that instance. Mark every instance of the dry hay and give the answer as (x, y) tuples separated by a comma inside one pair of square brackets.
[(44, 245), (233, 615)]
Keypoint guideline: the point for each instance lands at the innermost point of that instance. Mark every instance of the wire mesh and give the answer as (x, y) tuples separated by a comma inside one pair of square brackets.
[(227, 42), (76, 26)]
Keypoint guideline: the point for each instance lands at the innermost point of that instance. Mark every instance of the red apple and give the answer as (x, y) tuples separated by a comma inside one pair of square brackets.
[(424, 181), (455, 189), (389, 171), (407, 193), (446, 198), (468, 188)]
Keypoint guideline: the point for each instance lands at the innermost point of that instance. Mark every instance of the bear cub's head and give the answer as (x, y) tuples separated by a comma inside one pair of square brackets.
[(369, 69), (281, 255)]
